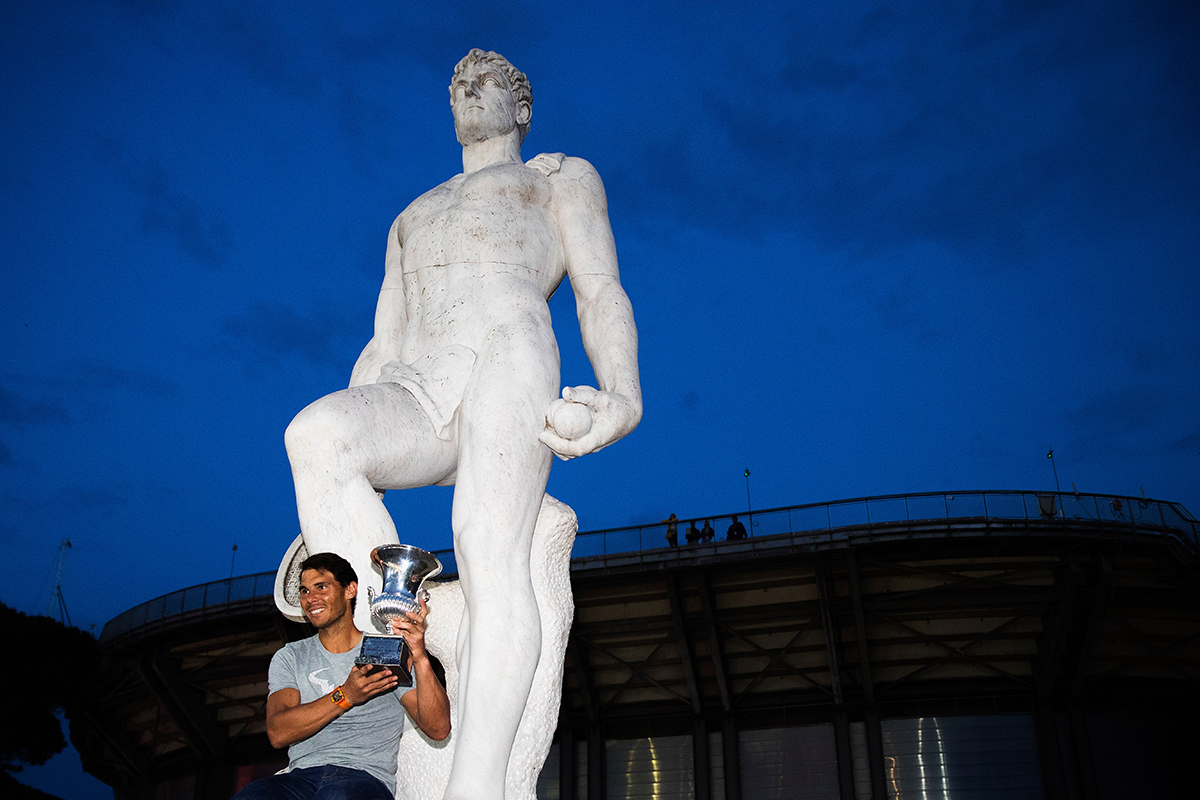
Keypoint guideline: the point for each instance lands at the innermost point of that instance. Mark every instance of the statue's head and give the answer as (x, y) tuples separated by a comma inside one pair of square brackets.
[(518, 84)]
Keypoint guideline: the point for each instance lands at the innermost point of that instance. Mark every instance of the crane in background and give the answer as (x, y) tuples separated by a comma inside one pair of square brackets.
[(56, 595)]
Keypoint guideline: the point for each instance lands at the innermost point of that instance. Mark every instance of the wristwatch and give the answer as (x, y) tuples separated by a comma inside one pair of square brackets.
[(339, 699)]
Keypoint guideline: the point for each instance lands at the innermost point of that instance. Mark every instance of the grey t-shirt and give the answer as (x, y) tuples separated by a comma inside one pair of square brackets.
[(366, 737)]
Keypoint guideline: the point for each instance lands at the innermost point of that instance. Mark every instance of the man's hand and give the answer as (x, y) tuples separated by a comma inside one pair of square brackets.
[(412, 628), (613, 416), (365, 681)]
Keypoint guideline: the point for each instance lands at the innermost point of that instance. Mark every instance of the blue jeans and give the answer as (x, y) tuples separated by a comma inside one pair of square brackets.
[(317, 783)]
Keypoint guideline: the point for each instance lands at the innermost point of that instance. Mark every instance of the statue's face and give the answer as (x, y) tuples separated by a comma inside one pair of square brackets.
[(483, 104)]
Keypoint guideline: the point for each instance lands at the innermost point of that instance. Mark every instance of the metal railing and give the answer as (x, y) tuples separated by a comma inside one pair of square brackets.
[(1134, 515), (928, 507)]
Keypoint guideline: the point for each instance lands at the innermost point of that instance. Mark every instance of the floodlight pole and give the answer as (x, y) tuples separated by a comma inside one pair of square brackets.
[(749, 508)]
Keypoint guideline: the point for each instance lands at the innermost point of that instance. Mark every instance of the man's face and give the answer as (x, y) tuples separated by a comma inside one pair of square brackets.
[(483, 104), (323, 600)]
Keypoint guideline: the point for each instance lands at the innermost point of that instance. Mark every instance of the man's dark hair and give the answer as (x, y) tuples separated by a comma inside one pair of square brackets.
[(336, 566)]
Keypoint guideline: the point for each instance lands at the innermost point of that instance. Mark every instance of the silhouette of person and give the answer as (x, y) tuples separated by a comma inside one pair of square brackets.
[(736, 531), (672, 530), (707, 534), (693, 533)]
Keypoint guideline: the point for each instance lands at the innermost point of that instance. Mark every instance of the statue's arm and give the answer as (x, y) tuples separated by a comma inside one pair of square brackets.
[(390, 316), (605, 314)]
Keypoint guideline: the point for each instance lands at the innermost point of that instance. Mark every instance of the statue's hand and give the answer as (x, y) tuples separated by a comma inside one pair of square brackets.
[(585, 420)]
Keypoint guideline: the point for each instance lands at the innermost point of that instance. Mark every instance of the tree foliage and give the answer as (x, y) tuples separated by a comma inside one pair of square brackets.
[(47, 669)]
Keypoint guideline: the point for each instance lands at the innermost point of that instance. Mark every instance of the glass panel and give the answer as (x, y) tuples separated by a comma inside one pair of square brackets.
[(811, 518), (1041, 506), (242, 588), (264, 584), (659, 767), (154, 609), (965, 505), (624, 541), (193, 598), (1005, 506), (929, 507), (890, 510), (791, 763), (592, 545), (842, 514), (172, 604), (1086, 506), (1171, 517), (981, 758), (769, 524)]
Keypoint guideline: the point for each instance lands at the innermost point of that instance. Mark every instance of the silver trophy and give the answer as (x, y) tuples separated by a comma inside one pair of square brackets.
[(404, 568)]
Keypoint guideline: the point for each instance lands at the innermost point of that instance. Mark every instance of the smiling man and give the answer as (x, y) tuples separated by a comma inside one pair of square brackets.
[(340, 722), (459, 385)]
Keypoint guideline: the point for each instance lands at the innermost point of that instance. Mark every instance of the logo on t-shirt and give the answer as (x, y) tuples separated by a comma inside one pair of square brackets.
[(325, 686)]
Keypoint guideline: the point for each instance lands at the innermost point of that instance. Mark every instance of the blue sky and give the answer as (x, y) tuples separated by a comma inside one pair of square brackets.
[(870, 249)]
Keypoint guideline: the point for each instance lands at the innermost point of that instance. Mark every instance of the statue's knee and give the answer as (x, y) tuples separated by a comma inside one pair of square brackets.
[(310, 432)]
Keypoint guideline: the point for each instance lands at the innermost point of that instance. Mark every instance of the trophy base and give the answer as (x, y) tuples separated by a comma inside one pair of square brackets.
[(390, 652)]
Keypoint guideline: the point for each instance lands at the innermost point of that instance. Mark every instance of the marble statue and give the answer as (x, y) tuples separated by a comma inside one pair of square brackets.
[(460, 385), (423, 764)]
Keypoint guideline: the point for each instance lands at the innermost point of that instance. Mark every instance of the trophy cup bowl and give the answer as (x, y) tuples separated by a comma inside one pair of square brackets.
[(404, 569)]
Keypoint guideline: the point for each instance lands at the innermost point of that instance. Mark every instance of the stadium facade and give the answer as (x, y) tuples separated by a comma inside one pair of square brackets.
[(998, 644)]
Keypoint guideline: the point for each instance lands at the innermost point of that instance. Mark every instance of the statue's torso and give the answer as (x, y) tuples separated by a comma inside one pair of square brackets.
[(478, 251)]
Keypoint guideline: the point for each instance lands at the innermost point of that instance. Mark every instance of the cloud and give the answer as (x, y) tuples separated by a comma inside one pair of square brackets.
[(19, 411), (167, 210), (986, 128), (266, 50), (75, 497), (1188, 443), (82, 497), (1117, 411), (96, 374), (268, 332)]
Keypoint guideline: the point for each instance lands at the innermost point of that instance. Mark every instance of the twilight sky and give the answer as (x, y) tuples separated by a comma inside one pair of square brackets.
[(870, 250)]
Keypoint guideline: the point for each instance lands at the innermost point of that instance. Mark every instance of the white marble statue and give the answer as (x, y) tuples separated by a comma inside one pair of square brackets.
[(460, 384), (423, 764)]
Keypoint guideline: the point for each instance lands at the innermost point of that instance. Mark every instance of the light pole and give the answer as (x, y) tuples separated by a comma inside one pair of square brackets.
[(749, 508), (1057, 487)]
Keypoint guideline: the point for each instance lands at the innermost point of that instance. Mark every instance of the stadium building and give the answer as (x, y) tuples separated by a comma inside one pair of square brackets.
[(998, 644)]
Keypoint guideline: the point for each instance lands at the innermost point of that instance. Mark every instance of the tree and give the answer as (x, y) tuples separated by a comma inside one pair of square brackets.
[(46, 670)]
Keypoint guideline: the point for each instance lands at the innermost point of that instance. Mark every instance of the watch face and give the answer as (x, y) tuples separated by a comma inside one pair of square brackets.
[(337, 696)]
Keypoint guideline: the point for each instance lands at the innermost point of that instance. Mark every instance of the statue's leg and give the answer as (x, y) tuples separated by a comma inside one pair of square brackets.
[(344, 446), (502, 472)]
